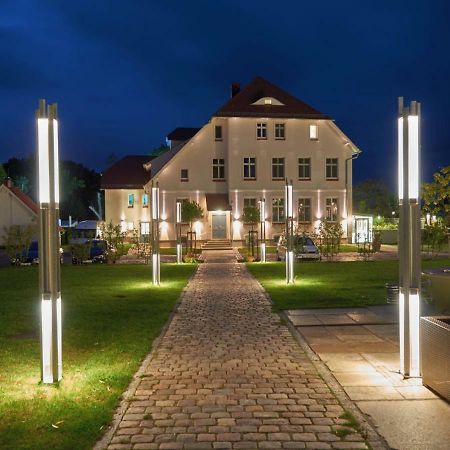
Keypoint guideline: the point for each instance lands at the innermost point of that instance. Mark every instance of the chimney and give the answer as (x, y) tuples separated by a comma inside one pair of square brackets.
[(9, 182), (235, 89)]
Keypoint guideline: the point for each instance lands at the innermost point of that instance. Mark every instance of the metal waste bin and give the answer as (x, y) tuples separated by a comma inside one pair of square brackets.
[(391, 293)]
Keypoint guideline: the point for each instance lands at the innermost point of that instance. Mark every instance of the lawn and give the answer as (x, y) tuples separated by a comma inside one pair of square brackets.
[(111, 314), (330, 284)]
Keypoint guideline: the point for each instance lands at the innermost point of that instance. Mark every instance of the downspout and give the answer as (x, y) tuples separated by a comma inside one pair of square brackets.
[(354, 156)]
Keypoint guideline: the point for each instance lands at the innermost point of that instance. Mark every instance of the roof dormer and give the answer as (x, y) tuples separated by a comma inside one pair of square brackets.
[(264, 101)]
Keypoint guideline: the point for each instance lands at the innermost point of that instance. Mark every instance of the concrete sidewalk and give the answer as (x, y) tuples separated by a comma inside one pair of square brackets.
[(360, 347)]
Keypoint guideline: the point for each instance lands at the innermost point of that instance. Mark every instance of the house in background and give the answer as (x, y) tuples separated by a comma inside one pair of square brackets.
[(249, 147), (16, 208)]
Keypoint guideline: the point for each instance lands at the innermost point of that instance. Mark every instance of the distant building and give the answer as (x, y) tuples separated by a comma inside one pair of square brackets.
[(16, 208), (260, 137)]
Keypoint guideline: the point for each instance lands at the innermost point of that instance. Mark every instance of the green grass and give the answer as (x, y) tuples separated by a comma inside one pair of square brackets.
[(244, 250), (111, 314), (330, 284)]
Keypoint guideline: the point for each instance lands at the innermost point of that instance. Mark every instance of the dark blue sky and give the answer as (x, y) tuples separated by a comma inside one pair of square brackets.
[(125, 73)]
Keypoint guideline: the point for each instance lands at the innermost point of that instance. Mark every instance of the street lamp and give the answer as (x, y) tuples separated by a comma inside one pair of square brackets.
[(262, 222), (49, 243), (289, 232), (156, 260), (409, 236), (178, 231)]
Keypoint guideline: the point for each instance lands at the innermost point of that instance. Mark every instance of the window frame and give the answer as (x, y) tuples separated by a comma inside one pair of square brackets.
[(330, 164), (252, 200), (277, 129), (306, 218), (147, 226), (217, 165), (261, 131), (313, 126), (145, 200), (304, 166), (132, 202), (249, 164), (332, 202), (278, 207), (276, 165), (216, 129), (184, 179)]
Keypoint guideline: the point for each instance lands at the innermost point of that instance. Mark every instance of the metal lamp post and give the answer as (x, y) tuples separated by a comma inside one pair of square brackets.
[(289, 233), (178, 226), (262, 223), (409, 236), (49, 243), (156, 260)]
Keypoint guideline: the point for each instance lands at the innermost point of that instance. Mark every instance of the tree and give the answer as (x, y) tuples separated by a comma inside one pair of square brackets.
[(436, 195), (17, 241), (190, 212), (163, 148), (374, 197), (250, 217), (3, 174)]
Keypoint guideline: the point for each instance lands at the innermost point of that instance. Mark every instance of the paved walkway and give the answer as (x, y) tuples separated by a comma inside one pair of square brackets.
[(227, 374)]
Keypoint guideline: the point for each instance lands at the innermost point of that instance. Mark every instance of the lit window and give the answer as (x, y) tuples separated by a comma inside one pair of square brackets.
[(123, 226), (145, 200), (145, 228), (278, 168), (267, 101), (332, 209), (184, 175), (218, 167), (249, 202), (279, 131), (130, 200), (332, 172), (304, 168), (278, 210), (313, 132), (304, 210), (249, 168), (130, 226), (218, 131), (261, 131)]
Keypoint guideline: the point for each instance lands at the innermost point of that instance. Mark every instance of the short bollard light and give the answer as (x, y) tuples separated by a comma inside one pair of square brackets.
[(262, 223), (156, 260), (178, 225), (409, 237), (289, 230), (49, 243)]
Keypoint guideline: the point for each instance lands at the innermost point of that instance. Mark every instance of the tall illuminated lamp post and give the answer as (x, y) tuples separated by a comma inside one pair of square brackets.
[(409, 236), (49, 243), (262, 224), (178, 225), (156, 259), (289, 230)]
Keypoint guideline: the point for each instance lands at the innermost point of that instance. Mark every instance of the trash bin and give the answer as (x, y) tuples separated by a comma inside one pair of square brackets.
[(391, 293)]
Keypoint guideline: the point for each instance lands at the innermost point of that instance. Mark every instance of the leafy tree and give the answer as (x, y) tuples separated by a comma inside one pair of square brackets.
[(330, 235), (17, 241), (3, 174), (374, 197), (22, 183), (163, 148), (190, 212), (436, 195), (250, 216)]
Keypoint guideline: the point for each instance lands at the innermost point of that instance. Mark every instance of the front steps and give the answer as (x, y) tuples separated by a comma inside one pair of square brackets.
[(217, 244)]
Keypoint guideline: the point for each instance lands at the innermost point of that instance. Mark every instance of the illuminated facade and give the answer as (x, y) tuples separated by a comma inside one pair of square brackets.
[(260, 137)]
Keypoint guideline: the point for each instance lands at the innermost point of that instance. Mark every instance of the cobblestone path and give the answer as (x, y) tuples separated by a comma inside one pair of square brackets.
[(228, 375)]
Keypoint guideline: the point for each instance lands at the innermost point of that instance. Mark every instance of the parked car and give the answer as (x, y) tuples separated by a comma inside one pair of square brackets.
[(304, 248), (96, 253), (31, 256)]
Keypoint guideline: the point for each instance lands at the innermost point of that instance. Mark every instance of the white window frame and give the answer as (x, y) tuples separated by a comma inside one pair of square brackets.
[(250, 202), (145, 228), (305, 165), (145, 200), (130, 200), (332, 164), (261, 130), (181, 175), (218, 128), (304, 210), (280, 131), (217, 165), (278, 206), (249, 162), (332, 209), (314, 132), (277, 166)]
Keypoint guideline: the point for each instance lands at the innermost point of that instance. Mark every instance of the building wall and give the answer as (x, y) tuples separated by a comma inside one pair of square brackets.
[(13, 212)]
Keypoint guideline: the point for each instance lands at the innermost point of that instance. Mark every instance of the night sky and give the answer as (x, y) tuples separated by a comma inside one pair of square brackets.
[(125, 73)]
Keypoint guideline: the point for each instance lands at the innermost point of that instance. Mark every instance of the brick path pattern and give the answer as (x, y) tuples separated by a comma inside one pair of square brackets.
[(228, 374)]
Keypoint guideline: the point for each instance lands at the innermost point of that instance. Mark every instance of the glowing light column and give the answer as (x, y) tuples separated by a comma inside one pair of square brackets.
[(409, 237), (49, 243), (156, 260), (289, 232), (179, 245), (262, 223)]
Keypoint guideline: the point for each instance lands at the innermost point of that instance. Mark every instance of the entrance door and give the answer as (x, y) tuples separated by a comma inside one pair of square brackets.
[(219, 226)]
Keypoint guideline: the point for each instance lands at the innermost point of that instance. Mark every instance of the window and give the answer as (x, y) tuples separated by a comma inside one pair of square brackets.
[(218, 169), (249, 168), (267, 101), (304, 168), (314, 132), (278, 210), (261, 131), (184, 175), (279, 131), (332, 168), (130, 200), (249, 202), (332, 209), (304, 210), (277, 168), (145, 228), (130, 226), (218, 133), (145, 200)]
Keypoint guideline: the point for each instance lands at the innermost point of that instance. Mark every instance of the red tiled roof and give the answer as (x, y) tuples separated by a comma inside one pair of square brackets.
[(24, 198), (241, 104), (127, 173), (182, 134)]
